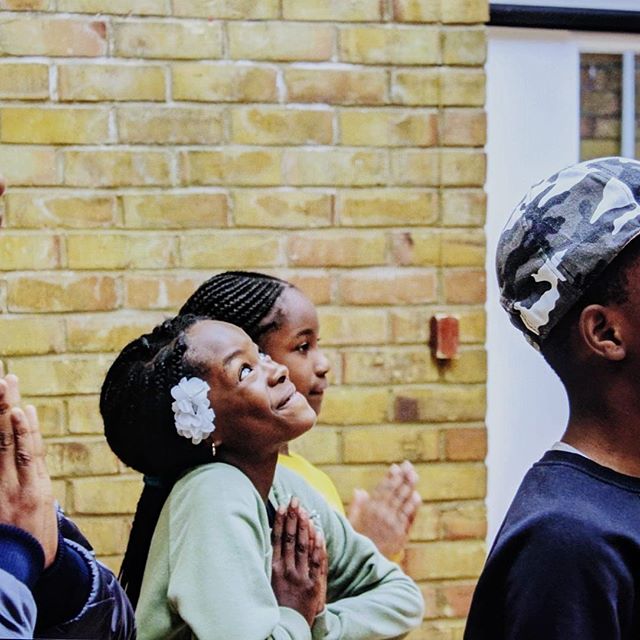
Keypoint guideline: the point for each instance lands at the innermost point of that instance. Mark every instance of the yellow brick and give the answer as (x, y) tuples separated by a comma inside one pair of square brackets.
[(332, 10), (121, 251), (464, 128), (139, 7), (24, 81), (282, 208), (231, 166), (108, 535), (316, 286), (335, 250), (438, 560), (471, 366), (170, 125), (321, 445), (463, 248), (464, 46), (116, 168), (425, 526), (472, 326), (105, 495), (416, 248), (28, 165), (160, 291), (462, 87), (464, 11), (389, 128), (49, 209), (352, 326), (462, 168), (57, 375), (222, 251), (599, 148), (224, 82), (19, 251), (355, 405), (97, 83), (386, 366), (336, 86), (390, 444), (80, 458), (464, 286), (26, 5), (334, 167), (416, 10), (440, 403), (227, 9), (52, 415), (416, 87), (21, 335), (280, 41), (62, 292), (452, 481), (40, 36), (175, 210), (276, 125), (184, 39), (466, 444), (108, 332), (388, 286), (416, 167), (84, 414), (54, 126), (390, 44), (410, 326), (348, 478), (463, 207), (387, 207), (466, 520)]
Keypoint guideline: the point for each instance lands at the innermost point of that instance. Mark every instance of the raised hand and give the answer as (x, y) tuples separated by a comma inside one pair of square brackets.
[(299, 562), (386, 515), (26, 495)]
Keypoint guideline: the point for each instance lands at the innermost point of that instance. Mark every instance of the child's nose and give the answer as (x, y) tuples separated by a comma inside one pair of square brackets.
[(278, 373), (322, 365)]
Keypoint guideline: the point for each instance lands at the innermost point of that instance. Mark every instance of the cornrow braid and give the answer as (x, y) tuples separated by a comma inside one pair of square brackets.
[(243, 298), (135, 403)]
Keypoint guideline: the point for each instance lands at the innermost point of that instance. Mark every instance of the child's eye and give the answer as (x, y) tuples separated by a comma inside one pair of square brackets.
[(245, 370), (305, 346)]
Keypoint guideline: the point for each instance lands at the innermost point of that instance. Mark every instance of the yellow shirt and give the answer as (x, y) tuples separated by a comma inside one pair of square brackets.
[(317, 479)]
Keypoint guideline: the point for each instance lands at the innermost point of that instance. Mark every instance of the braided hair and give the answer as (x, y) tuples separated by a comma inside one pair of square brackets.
[(243, 298), (135, 403)]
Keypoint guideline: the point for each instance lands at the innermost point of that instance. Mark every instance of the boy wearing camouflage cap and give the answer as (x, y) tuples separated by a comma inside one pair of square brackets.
[(566, 562)]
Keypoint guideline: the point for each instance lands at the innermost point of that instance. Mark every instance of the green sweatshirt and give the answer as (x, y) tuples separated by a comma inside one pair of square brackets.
[(208, 574)]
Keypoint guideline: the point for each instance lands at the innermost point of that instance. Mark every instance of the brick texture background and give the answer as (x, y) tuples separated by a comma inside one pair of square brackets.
[(336, 143)]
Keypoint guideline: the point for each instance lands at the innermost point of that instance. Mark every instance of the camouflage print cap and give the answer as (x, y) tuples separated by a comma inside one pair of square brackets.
[(561, 237)]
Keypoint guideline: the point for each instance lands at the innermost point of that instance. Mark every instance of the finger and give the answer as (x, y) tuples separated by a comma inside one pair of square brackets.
[(7, 444), (414, 505), (388, 485), (290, 533), (409, 473), (302, 544), (276, 534), (25, 459), (401, 496), (318, 557), (360, 497), (13, 389)]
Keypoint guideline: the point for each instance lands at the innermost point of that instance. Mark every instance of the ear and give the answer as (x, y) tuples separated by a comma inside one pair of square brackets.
[(601, 332)]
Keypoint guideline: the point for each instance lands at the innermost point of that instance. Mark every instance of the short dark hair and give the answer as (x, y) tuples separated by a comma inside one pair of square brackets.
[(610, 288)]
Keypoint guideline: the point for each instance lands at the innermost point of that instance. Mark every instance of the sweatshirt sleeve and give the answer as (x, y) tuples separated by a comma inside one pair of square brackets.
[(220, 563), (368, 595)]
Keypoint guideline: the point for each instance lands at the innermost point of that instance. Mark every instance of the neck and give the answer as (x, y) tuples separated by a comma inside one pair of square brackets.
[(260, 472), (607, 431)]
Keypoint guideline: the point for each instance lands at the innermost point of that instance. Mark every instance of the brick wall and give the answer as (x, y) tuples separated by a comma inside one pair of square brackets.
[(150, 143)]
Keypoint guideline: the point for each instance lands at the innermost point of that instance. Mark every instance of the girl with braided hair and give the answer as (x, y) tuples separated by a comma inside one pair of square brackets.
[(284, 324), (225, 549)]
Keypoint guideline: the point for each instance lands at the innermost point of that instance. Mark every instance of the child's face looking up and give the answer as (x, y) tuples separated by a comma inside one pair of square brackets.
[(257, 407), (294, 343)]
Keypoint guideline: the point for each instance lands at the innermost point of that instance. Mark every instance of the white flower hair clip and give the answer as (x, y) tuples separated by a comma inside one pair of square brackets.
[(193, 413)]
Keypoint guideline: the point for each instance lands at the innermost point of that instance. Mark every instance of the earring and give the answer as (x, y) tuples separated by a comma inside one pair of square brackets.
[(213, 449)]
